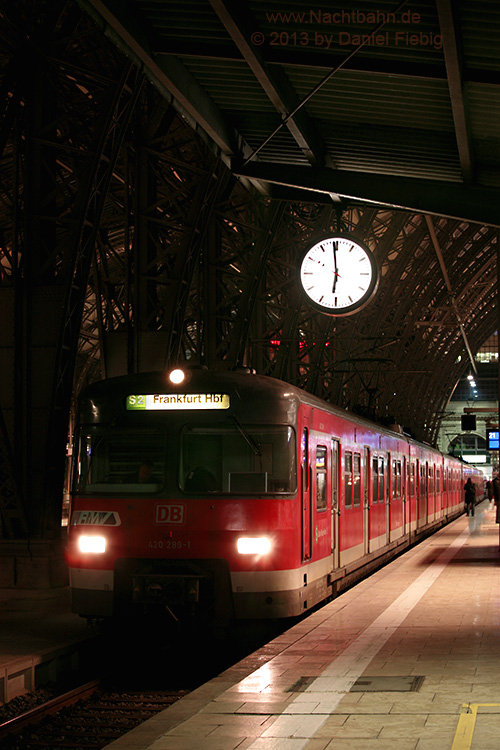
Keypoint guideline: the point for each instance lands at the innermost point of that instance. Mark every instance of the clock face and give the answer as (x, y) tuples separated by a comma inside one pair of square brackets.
[(338, 275)]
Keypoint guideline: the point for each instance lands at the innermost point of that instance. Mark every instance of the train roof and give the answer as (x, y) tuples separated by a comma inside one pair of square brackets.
[(246, 380)]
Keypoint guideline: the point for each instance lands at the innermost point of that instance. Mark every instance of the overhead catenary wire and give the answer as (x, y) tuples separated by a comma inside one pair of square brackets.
[(320, 85)]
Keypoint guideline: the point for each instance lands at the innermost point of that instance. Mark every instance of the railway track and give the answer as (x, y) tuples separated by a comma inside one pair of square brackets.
[(139, 662), (86, 718)]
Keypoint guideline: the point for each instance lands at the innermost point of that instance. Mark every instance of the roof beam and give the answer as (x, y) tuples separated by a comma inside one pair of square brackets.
[(274, 82), (322, 61), (466, 203), (168, 74), (452, 56)]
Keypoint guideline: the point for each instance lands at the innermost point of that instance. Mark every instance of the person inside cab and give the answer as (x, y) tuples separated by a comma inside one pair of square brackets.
[(145, 472)]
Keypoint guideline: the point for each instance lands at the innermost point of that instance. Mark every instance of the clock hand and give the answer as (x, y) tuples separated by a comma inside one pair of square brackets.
[(335, 272)]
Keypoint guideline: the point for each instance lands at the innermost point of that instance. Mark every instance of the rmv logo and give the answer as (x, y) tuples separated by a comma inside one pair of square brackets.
[(95, 518), (170, 514)]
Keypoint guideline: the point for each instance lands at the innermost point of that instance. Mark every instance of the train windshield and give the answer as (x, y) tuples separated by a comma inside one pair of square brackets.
[(117, 461), (238, 459)]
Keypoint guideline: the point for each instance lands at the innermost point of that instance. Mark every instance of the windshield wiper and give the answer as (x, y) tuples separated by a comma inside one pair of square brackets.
[(254, 447)]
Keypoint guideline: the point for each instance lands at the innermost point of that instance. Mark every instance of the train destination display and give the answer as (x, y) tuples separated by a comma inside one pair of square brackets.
[(168, 401)]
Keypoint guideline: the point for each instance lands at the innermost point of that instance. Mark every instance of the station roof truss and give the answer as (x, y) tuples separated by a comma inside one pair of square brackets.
[(245, 130)]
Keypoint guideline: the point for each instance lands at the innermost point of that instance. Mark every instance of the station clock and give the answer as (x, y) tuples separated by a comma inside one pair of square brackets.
[(338, 275)]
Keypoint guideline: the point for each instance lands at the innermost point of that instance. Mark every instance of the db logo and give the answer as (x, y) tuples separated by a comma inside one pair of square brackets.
[(169, 514)]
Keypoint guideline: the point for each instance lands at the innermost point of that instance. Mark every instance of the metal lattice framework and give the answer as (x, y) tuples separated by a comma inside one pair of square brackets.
[(243, 306)]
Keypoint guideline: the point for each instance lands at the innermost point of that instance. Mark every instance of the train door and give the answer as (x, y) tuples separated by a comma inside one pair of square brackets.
[(412, 495), (404, 494), (422, 483), (388, 500), (431, 492), (335, 452), (427, 495), (418, 490), (377, 512), (306, 496), (366, 500)]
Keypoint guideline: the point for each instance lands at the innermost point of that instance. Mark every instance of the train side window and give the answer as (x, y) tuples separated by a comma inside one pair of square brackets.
[(320, 477), (422, 480), (348, 479), (396, 480), (356, 480), (374, 480), (305, 459), (381, 480), (412, 480)]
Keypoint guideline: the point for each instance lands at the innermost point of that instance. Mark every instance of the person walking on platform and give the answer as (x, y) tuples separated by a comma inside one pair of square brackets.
[(470, 497), (489, 491)]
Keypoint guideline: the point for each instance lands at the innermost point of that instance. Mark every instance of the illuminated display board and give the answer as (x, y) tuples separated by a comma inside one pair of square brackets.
[(493, 438), (171, 401)]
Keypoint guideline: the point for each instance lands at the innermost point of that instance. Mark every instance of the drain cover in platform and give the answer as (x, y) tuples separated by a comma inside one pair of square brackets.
[(387, 684), (381, 684)]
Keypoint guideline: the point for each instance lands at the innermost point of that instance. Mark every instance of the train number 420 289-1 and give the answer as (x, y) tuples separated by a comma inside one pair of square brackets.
[(168, 544)]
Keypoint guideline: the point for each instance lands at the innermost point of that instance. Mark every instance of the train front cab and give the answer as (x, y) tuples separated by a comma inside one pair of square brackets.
[(171, 534)]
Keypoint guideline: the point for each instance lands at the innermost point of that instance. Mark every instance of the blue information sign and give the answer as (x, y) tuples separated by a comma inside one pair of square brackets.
[(493, 438)]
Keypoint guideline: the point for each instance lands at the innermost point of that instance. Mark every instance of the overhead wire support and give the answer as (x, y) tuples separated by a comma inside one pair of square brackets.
[(454, 305)]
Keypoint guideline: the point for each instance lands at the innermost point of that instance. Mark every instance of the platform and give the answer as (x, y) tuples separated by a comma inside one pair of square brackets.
[(409, 659), (41, 641)]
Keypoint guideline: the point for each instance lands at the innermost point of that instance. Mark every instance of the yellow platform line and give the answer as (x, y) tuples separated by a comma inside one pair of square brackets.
[(466, 724)]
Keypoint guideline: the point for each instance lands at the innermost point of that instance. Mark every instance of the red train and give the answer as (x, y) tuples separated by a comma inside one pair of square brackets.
[(221, 495)]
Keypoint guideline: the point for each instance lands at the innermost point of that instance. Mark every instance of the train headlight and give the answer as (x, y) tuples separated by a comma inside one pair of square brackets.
[(256, 545), (92, 544), (177, 376)]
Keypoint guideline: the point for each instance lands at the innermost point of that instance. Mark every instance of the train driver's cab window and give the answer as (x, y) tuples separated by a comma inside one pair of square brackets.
[(348, 479), (120, 462), (238, 459), (321, 477)]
